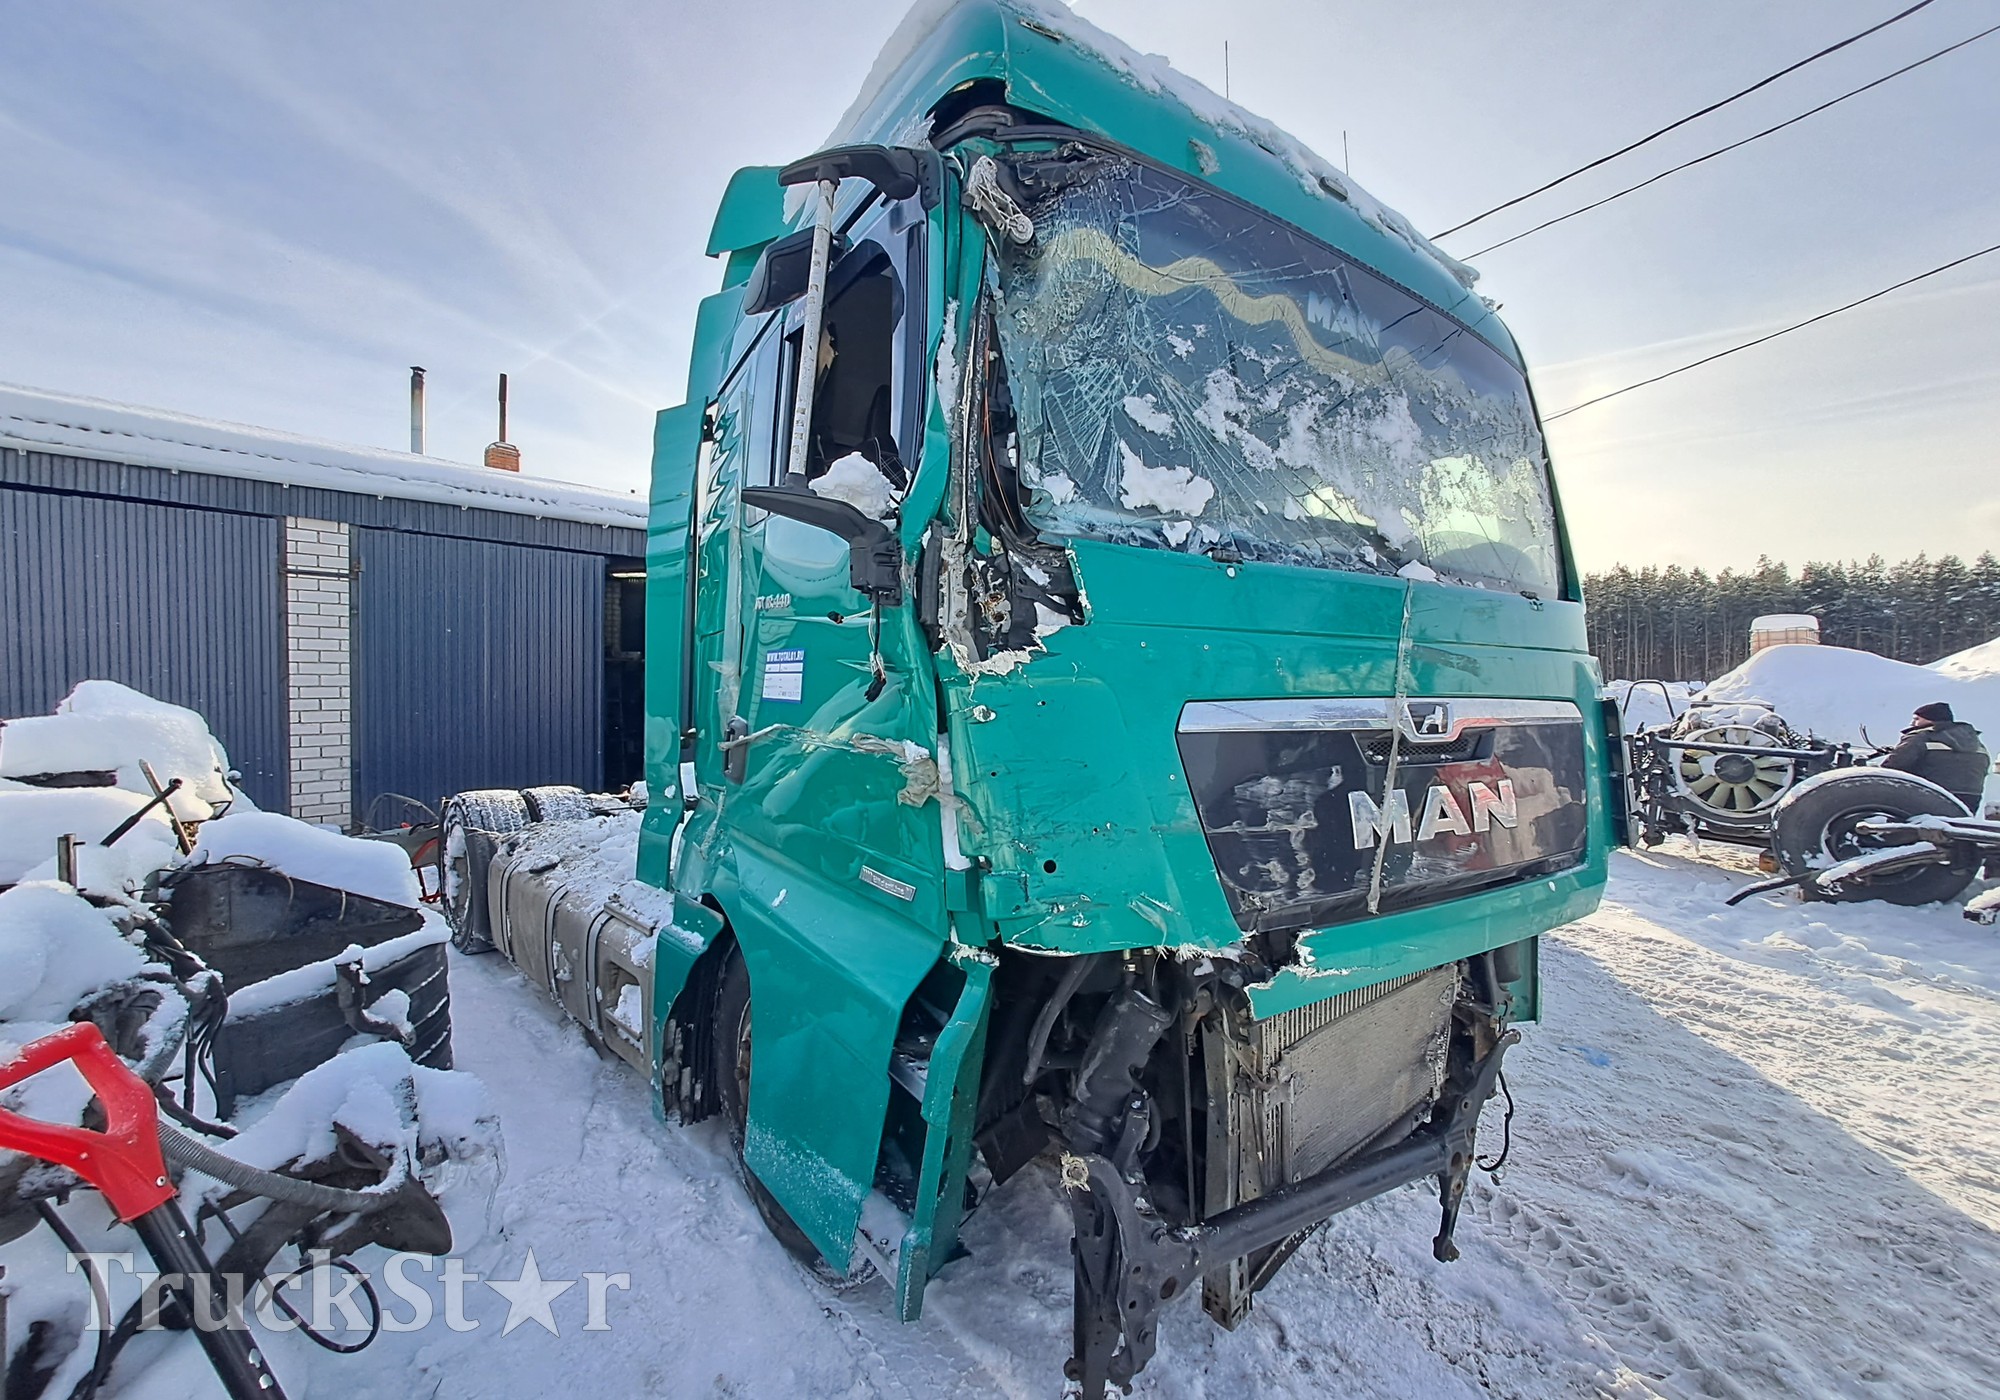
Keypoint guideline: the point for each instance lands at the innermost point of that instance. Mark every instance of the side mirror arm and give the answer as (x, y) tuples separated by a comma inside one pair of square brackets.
[(897, 171), (874, 555)]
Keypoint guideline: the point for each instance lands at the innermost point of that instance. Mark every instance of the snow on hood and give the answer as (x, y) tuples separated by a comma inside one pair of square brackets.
[(372, 869)]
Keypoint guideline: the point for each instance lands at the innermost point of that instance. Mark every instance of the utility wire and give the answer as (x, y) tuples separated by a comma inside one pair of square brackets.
[(1734, 145), (1801, 325), (1675, 126)]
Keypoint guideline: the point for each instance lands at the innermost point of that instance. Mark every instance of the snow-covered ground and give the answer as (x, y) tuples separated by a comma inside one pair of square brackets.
[(1757, 1153)]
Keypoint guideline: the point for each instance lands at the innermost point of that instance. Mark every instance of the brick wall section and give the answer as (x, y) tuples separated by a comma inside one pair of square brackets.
[(318, 632)]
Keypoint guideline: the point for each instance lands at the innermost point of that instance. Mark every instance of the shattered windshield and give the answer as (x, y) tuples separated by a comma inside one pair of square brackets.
[(1189, 374)]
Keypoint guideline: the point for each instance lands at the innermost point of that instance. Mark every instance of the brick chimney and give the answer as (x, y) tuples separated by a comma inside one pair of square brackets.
[(503, 456)]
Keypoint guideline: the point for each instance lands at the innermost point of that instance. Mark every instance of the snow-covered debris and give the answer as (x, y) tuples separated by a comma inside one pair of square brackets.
[(55, 949), (367, 1090), (36, 420), (32, 818), (374, 869), (315, 979), (860, 483), (105, 727), (1837, 693)]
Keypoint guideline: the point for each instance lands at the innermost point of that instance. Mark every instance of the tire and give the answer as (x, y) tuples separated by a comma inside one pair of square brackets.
[(1815, 828), (556, 804), (732, 1071), (468, 835)]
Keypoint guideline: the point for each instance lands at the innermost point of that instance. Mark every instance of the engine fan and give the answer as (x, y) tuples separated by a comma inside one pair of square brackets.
[(1733, 785)]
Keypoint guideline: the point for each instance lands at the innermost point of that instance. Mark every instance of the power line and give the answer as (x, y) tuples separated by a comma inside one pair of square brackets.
[(1675, 126), (1801, 325), (1734, 145)]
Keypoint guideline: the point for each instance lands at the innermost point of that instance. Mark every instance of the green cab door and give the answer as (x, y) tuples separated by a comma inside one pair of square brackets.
[(820, 729)]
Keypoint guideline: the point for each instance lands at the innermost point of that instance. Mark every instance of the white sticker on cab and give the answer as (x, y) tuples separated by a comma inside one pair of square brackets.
[(785, 675)]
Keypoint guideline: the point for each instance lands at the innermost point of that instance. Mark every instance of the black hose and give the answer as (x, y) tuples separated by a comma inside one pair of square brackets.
[(100, 1294), (1045, 1019)]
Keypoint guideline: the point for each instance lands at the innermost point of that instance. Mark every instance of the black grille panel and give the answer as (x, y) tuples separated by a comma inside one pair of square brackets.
[(1295, 815), (1470, 745)]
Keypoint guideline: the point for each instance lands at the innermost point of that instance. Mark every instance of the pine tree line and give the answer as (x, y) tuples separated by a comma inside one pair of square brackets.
[(1687, 624)]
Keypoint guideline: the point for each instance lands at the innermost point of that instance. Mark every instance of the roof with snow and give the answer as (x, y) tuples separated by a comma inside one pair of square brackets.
[(1053, 62), (36, 420)]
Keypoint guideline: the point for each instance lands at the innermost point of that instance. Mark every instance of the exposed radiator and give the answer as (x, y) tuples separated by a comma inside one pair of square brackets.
[(1326, 1079)]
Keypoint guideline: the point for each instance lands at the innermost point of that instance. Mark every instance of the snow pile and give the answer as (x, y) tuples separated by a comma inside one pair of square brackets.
[(32, 818), (1640, 706), (1837, 694), (860, 483), (376, 1093), (56, 949), (38, 421), (1973, 664), (105, 727), (372, 869)]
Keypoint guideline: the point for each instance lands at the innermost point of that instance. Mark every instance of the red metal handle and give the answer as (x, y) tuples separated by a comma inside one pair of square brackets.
[(124, 1161)]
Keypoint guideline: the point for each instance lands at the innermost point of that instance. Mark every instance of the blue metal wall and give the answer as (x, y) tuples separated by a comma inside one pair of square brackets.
[(185, 605), (476, 665)]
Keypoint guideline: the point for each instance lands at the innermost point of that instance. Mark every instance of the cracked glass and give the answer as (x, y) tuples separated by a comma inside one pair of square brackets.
[(1189, 374)]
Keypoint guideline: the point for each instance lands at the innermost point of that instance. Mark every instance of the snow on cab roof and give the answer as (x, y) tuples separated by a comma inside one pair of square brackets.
[(36, 420), (897, 71)]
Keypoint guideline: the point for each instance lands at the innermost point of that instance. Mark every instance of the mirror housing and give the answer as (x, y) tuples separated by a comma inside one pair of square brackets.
[(874, 555), (897, 171)]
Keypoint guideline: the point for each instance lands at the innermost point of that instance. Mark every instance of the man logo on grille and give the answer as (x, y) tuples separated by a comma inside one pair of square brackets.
[(1429, 719)]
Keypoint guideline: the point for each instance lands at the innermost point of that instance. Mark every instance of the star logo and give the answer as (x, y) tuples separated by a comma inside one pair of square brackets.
[(528, 1297)]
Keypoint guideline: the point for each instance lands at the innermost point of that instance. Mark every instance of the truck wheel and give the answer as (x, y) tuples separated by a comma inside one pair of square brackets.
[(1818, 827), (732, 1070), (468, 834), (556, 804)]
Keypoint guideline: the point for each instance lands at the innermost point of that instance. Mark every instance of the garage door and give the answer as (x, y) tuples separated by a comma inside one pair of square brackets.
[(182, 604), (475, 665)]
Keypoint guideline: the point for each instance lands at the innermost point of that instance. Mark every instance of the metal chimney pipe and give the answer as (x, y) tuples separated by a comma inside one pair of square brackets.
[(503, 408), (417, 409)]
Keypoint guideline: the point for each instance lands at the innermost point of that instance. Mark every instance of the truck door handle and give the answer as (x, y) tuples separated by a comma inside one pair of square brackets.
[(735, 745)]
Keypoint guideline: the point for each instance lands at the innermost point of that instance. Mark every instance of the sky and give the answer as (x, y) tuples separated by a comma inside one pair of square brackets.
[(267, 213)]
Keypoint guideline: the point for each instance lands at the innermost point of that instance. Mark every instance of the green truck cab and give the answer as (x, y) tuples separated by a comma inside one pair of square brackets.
[(1117, 688)]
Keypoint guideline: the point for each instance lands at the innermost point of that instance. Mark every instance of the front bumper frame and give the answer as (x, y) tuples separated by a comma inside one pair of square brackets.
[(1130, 1265)]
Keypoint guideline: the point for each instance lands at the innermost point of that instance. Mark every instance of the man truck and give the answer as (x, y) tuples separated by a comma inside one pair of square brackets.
[(1116, 692)]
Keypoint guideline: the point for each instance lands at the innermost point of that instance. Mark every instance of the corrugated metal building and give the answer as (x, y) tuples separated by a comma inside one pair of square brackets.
[(352, 622)]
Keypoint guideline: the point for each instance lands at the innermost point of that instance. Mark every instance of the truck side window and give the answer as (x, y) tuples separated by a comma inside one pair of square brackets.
[(860, 400)]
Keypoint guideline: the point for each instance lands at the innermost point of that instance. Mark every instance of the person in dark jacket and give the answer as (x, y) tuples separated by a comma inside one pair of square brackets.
[(1945, 750)]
